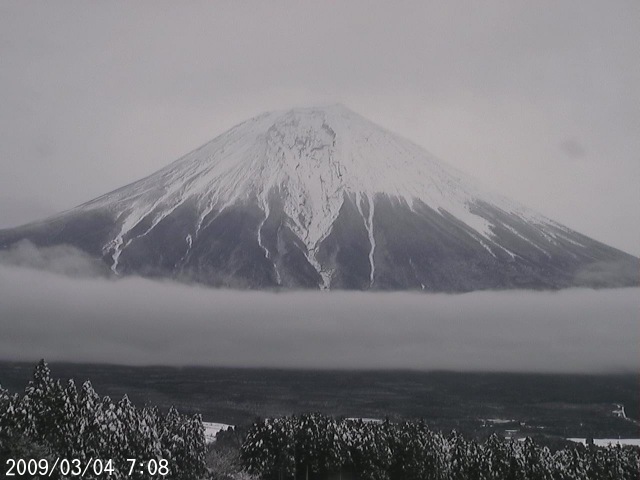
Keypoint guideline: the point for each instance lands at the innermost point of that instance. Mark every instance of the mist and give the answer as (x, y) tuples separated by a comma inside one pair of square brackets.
[(60, 259), (48, 311)]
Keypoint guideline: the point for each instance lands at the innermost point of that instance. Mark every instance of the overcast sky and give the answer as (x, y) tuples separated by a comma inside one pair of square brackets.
[(539, 100)]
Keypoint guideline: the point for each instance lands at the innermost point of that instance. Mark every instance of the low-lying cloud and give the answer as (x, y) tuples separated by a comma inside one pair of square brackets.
[(60, 259), (58, 316)]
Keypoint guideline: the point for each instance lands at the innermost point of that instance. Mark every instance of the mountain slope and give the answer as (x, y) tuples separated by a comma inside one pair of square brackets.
[(323, 198)]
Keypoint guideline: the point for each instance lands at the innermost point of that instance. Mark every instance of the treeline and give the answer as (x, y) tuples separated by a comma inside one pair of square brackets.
[(51, 420), (314, 447), (54, 421)]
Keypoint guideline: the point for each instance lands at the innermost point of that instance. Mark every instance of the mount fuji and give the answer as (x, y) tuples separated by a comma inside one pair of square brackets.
[(322, 198)]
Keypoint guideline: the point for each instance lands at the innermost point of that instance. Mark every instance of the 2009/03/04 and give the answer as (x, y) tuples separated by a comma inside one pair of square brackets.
[(77, 468)]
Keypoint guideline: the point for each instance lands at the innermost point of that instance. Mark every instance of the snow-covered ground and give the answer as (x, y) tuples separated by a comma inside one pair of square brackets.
[(497, 420), (365, 419), (604, 442), (211, 429)]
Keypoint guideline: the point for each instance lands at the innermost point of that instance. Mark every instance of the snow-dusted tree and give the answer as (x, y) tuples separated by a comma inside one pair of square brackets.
[(193, 456), (269, 448), (308, 446), (411, 451), (7, 415), (170, 438), (420, 452), (335, 453), (630, 458), (47, 408), (458, 464), (17, 431), (12, 421), (148, 434), (496, 458), (571, 462), (255, 453), (127, 416), (183, 444), (49, 420), (283, 450), (537, 462), (370, 452), (71, 440), (89, 421), (151, 421), (474, 461)]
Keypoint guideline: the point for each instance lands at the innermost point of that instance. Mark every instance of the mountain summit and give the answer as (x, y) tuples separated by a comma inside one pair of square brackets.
[(323, 198)]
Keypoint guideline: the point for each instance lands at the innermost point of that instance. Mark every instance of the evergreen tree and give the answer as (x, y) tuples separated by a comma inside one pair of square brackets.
[(371, 453), (308, 448), (12, 423), (88, 421), (126, 417), (458, 461), (497, 461), (536, 462), (72, 441), (51, 421), (47, 405), (335, 453), (183, 444), (412, 451)]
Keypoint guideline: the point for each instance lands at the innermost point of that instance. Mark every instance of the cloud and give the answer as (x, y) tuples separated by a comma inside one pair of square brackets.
[(59, 259), (139, 321), (606, 273)]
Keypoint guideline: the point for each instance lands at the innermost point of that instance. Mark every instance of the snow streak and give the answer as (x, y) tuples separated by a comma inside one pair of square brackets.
[(267, 255), (368, 224)]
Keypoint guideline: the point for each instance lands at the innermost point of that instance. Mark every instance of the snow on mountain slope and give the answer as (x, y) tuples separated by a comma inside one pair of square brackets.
[(316, 156), (305, 171)]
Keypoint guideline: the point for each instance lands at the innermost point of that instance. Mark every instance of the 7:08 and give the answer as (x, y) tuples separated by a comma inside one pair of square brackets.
[(150, 467)]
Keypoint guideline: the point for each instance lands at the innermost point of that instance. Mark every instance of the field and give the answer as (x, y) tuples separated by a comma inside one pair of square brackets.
[(544, 406)]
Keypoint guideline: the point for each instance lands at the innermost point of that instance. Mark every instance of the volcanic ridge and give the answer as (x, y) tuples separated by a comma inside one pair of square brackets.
[(321, 198)]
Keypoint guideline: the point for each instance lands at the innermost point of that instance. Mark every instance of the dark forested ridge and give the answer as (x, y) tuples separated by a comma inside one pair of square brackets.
[(51, 421), (555, 405)]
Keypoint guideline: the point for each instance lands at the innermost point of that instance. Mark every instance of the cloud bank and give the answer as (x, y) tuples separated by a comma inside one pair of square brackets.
[(60, 259), (49, 312)]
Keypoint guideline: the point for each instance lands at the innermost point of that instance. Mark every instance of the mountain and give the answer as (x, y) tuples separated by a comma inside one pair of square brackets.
[(323, 198)]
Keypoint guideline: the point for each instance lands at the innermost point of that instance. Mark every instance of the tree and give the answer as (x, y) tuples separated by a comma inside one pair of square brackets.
[(411, 450), (51, 421), (183, 444)]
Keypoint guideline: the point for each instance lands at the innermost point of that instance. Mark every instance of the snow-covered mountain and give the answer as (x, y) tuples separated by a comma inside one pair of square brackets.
[(323, 198)]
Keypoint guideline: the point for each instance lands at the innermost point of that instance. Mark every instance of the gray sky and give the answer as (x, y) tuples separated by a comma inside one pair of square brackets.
[(539, 100), (56, 303)]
